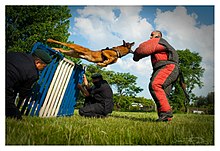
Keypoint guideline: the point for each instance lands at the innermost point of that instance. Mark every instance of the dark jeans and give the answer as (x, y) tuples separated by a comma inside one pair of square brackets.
[(92, 108), (10, 108)]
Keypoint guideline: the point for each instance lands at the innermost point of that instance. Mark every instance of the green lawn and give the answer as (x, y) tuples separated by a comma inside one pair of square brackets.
[(120, 128)]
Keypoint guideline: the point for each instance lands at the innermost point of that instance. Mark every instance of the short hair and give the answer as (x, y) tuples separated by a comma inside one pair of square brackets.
[(159, 32), (96, 76), (36, 58)]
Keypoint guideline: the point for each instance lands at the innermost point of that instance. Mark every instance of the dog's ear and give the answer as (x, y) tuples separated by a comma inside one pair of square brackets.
[(132, 44), (124, 43)]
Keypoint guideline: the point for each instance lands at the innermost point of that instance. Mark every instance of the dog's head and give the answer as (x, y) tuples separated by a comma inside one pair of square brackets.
[(128, 45)]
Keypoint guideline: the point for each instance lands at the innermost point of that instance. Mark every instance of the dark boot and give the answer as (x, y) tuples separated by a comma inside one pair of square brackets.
[(165, 116)]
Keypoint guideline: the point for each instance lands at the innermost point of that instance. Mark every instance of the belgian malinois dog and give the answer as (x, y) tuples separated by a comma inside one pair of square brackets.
[(102, 57)]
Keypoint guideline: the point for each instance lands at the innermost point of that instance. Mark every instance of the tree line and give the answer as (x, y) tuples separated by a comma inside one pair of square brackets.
[(26, 25)]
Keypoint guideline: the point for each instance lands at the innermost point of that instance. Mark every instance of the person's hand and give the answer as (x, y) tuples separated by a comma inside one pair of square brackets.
[(79, 86), (85, 80), (84, 91)]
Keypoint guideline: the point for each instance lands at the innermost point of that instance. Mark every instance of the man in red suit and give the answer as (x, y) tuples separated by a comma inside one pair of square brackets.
[(164, 60)]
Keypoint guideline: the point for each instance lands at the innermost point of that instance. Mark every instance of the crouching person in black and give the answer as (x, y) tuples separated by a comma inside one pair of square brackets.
[(98, 98), (22, 71)]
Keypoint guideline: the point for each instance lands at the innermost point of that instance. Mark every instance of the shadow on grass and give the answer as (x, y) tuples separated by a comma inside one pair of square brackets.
[(148, 119)]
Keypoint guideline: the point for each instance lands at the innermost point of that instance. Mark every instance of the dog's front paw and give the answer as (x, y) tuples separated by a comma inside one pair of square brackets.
[(57, 49), (102, 64)]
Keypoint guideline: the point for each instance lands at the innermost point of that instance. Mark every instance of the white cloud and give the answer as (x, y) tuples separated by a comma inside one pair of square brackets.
[(107, 26), (182, 31), (140, 68)]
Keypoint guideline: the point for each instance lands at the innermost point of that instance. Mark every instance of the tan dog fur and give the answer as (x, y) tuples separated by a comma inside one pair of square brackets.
[(101, 57)]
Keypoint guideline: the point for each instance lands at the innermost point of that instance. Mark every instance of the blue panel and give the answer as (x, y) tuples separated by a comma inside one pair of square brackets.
[(72, 101), (78, 79), (40, 89), (38, 86), (45, 77), (69, 100), (69, 91), (45, 86)]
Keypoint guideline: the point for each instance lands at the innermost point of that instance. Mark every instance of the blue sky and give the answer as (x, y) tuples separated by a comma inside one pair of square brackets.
[(184, 27)]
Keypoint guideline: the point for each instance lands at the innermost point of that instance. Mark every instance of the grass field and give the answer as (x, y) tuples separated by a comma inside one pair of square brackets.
[(120, 128)]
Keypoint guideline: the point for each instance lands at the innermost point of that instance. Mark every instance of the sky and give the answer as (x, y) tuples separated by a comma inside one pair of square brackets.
[(183, 26)]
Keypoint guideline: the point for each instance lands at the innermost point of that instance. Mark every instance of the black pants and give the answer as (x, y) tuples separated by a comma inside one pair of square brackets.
[(11, 108), (92, 109)]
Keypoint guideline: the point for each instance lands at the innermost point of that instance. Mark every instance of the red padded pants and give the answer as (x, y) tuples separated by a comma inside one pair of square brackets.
[(161, 85)]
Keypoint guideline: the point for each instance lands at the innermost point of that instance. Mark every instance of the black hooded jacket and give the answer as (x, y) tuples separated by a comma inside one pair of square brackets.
[(102, 93)]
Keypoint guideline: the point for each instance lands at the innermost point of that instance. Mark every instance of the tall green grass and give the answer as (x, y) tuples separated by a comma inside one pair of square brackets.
[(120, 128)]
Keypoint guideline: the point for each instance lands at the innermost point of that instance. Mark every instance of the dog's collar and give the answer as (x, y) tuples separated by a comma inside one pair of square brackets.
[(118, 53)]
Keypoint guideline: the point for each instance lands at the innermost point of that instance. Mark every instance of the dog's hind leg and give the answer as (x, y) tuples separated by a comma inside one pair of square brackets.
[(57, 42), (70, 53), (75, 47)]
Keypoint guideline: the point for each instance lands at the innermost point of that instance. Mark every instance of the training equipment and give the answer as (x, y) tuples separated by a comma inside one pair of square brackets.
[(56, 92)]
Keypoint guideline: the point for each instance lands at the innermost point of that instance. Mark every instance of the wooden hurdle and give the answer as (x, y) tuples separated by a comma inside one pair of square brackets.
[(55, 93)]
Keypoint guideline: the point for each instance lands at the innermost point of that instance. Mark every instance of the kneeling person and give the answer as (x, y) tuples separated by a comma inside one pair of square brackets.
[(98, 98)]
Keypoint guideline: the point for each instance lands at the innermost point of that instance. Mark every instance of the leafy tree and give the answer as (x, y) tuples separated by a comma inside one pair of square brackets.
[(26, 25), (205, 102), (148, 104), (200, 101), (211, 98), (125, 84), (126, 89), (91, 69), (190, 65), (122, 103)]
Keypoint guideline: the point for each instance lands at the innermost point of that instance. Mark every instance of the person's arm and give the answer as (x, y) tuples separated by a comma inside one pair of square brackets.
[(25, 89), (146, 48), (83, 90), (85, 81), (138, 53)]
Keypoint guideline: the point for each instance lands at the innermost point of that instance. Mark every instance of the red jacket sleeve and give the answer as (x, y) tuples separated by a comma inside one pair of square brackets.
[(147, 48)]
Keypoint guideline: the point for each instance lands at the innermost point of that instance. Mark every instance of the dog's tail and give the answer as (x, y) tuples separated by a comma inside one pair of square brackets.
[(53, 41)]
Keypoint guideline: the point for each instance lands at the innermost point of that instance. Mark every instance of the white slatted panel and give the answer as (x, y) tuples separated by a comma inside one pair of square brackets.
[(57, 89)]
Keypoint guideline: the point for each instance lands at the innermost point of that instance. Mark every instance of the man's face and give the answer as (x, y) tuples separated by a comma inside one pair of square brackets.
[(40, 65), (154, 34), (95, 80)]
